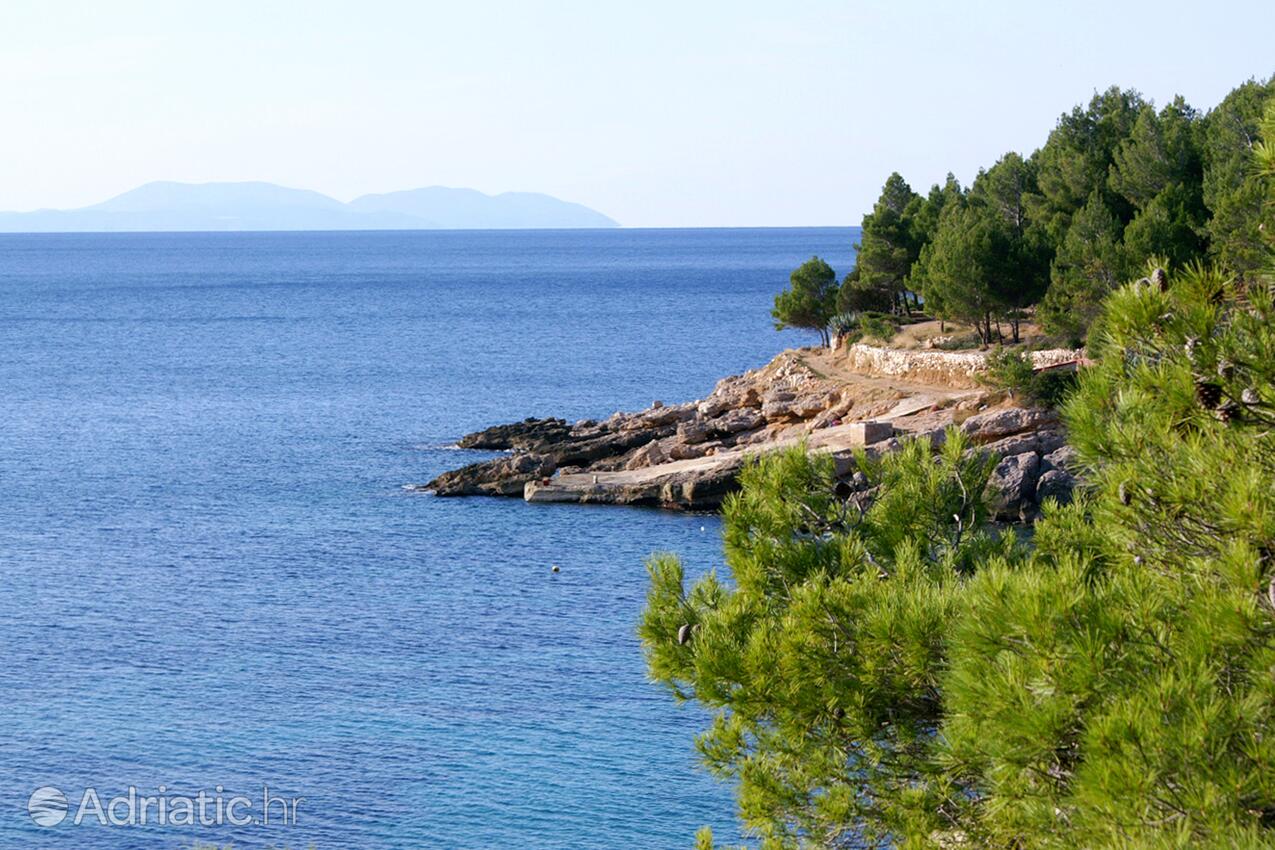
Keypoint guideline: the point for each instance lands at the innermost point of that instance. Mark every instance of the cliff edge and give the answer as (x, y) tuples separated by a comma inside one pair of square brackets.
[(687, 456)]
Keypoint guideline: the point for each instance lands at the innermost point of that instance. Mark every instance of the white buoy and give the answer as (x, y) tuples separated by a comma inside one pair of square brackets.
[(554, 568)]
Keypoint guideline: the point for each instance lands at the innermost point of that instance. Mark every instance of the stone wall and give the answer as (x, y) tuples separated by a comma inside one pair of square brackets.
[(943, 368)]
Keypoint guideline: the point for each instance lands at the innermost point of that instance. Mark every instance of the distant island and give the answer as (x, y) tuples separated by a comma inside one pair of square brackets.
[(171, 206)]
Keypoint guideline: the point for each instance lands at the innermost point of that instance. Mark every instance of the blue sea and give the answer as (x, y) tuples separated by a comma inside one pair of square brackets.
[(213, 580)]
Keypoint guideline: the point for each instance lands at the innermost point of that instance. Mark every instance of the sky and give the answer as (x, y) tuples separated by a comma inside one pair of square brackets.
[(660, 114)]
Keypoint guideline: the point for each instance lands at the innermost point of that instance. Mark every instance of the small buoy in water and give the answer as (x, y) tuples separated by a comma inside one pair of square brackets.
[(555, 569), (701, 528)]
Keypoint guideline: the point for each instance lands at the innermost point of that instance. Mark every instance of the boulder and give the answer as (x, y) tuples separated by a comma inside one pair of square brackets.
[(1029, 441), (993, 425), (693, 431), (748, 438), (1056, 484), (677, 450), (1011, 488), (868, 433), (807, 406), (736, 421), (655, 417), (649, 455), (779, 404), (1064, 457)]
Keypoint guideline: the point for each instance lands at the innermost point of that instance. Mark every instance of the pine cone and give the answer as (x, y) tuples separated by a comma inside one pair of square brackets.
[(1228, 412), (1208, 394), (1160, 279)]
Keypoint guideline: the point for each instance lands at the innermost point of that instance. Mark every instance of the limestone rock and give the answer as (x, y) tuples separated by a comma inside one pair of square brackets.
[(1056, 484), (868, 433), (1040, 442), (502, 477), (995, 424), (1012, 485), (693, 431), (1064, 457), (526, 435), (649, 455), (745, 419)]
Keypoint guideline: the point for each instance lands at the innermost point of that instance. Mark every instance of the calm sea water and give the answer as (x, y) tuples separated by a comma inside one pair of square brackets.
[(213, 577)]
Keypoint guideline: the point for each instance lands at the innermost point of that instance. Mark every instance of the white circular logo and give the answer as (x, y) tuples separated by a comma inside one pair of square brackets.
[(47, 806)]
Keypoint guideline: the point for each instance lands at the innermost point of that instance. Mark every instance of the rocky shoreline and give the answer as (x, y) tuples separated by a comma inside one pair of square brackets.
[(687, 456)]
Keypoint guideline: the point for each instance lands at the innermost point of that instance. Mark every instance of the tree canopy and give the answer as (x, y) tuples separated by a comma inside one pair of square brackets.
[(888, 245), (1116, 182), (884, 669), (810, 299), (901, 676)]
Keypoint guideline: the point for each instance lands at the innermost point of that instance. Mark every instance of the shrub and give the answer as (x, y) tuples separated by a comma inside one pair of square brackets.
[(845, 326), (878, 326), (1012, 370)]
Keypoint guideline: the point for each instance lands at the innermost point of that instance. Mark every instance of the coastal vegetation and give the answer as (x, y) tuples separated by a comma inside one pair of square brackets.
[(882, 666), (1117, 182), (810, 300)]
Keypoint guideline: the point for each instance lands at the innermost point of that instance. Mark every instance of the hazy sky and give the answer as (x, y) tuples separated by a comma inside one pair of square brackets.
[(657, 113)]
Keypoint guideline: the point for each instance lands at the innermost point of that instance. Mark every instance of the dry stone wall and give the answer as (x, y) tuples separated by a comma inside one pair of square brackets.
[(943, 368)]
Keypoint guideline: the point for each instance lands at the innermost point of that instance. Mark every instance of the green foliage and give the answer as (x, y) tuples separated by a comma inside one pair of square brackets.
[(878, 326), (889, 672), (1123, 679), (1231, 187), (925, 222), (851, 327), (1170, 226), (1086, 269), (888, 245), (1115, 182), (1011, 370), (1160, 151), (810, 299), (822, 662), (1005, 189), (856, 296), (963, 268), (845, 325)]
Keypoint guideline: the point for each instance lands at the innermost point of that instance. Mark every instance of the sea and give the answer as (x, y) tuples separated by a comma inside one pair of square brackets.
[(224, 618)]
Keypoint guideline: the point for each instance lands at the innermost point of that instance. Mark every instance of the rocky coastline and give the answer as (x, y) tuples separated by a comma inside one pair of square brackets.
[(687, 456)]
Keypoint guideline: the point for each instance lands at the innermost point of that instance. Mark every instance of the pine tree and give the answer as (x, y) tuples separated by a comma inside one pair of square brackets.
[(882, 669), (967, 265), (888, 245), (1077, 157), (1088, 266), (1232, 191), (810, 300), (1024, 273)]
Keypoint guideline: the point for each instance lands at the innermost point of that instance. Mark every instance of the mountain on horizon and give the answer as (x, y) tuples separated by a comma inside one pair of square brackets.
[(254, 205)]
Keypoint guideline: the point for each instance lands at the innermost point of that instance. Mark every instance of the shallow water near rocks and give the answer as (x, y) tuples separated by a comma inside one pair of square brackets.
[(214, 577)]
